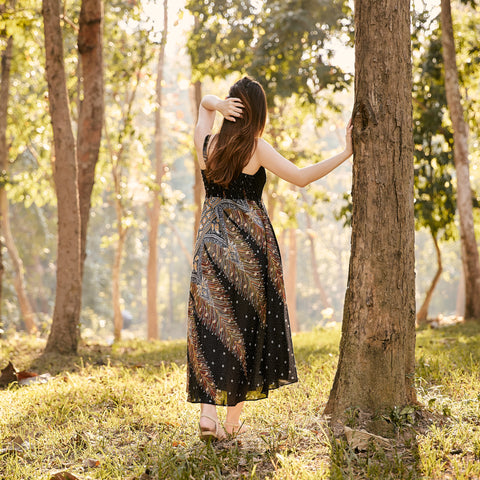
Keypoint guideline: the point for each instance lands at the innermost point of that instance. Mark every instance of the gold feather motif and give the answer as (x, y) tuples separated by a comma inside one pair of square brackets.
[(242, 268), (275, 270), (214, 308), (196, 358)]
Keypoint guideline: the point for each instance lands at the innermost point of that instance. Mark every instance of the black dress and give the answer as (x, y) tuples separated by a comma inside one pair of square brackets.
[(239, 341)]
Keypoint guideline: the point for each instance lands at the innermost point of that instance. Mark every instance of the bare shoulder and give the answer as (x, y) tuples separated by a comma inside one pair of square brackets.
[(263, 147), (265, 151)]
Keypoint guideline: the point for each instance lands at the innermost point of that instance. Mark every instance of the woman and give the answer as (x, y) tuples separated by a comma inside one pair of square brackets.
[(239, 341)]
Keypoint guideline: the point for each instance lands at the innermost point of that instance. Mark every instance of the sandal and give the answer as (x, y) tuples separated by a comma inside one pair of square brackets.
[(207, 434)]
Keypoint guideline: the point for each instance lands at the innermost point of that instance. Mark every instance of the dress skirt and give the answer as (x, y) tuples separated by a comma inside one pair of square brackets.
[(239, 340)]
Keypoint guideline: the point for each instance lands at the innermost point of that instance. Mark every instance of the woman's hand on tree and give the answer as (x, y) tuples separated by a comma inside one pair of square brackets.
[(230, 108), (348, 138)]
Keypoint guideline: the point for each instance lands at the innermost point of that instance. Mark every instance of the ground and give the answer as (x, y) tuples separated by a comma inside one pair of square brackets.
[(120, 413)]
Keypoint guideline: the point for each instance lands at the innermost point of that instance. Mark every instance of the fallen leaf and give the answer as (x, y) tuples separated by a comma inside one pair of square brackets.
[(91, 463), (44, 378), (16, 445), (8, 375), (64, 476), (359, 439), (24, 374)]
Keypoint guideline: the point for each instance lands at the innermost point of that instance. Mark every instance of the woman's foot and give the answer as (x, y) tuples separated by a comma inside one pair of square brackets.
[(235, 428), (210, 428)]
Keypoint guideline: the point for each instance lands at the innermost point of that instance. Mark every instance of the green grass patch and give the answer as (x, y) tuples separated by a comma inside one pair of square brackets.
[(120, 412)]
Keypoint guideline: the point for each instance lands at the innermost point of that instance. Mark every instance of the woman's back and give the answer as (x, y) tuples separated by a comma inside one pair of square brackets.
[(248, 186)]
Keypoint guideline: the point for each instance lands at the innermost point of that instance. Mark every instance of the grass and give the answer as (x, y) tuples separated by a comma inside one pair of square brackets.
[(120, 413)]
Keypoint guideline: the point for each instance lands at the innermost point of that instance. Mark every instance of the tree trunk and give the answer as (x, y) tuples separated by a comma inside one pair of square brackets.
[(4, 97), (180, 241), (64, 334), (313, 256), (460, 303), (198, 188), (91, 108), (376, 365), (291, 279), (422, 314), (19, 281), (154, 211), (470, 257), (116, 298)]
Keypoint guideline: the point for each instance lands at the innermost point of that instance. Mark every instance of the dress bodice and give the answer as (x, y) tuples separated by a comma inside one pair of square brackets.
[(245, 186)]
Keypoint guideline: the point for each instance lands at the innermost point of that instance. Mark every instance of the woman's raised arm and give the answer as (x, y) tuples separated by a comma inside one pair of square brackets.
[(275, 162)]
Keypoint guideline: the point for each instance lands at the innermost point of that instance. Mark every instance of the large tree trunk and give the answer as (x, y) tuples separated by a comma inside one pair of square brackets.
[(470, 257), (64, 334), (376, 365), (154, 211), (91, 108), (291, 279), (422, 314), (4, 97)]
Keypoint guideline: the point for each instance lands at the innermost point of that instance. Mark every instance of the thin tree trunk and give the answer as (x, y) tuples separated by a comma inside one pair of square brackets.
[(64, 334), (470, 257), (154, 211), (313, 256), (116, 157), (171, 272), (422, 315), (19, 281), (291, 279), (198, 188), (375, 371), (91, 107), (4, 97), (116, 297), (460, 303), (180, 241)]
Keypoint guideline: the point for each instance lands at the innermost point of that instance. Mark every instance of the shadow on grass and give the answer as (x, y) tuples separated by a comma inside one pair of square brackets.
[(124, 354), (224, 460), (399, 461)]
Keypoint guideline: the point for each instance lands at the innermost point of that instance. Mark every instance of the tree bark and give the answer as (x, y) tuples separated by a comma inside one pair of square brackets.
[(154, 211), (4, 97), (376, 365), (64, 334), (91, 112), (291, 279), (422, 315), (470, 256)]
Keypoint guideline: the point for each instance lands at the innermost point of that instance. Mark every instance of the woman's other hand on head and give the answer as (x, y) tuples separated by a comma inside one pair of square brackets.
[(231, 108)]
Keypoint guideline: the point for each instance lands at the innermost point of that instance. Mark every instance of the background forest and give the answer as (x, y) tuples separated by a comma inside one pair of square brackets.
[(206, 47)]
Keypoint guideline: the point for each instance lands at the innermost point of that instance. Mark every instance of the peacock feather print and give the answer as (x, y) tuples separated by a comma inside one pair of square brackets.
[(237, 314)]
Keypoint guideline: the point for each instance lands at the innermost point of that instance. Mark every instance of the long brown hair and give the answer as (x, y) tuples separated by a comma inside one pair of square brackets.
[(236, 141)]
